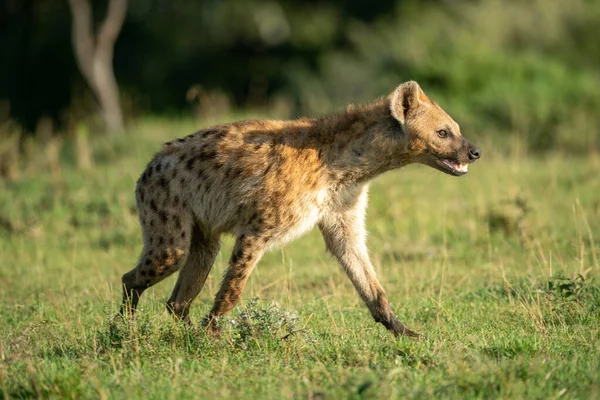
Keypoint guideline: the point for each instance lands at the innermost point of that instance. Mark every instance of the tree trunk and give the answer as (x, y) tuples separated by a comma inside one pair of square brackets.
[(94, 55)]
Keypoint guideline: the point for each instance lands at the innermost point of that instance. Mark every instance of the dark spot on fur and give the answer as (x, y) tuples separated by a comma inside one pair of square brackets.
[(152, 273), (177, 223), (240, 209), (255, 218), (182, 234), (237, 256), (163, 182), (150, 171), (171, 241), (235, 172), (181, 158), (161, 240), (189, 165), (198, 158), (151, 222), (180, 140), (147, 262), (219, 135), (182, 181), (275, 202), (164, 217), (158, 167), (176, 200)]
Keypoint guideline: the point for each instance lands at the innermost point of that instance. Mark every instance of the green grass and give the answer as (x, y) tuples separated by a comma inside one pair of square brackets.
[(509, 301)]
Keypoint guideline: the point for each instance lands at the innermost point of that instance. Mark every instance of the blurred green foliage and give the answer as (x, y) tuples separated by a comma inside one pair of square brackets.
[(511, 70)]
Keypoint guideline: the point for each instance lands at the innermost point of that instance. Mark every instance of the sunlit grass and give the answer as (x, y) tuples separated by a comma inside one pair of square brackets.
[(498, 269)]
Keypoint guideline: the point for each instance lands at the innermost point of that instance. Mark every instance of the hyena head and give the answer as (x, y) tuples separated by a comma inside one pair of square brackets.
[(432, 137)]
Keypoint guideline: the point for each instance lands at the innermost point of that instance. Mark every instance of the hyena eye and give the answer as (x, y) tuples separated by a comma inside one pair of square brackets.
[(442, 133)]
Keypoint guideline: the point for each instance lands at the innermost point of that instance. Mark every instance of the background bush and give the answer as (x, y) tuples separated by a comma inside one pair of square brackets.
[(510, 71)]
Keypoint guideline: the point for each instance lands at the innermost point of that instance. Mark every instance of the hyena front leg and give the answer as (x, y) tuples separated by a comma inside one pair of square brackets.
[(192, 276), (246, 253), (344, 236)]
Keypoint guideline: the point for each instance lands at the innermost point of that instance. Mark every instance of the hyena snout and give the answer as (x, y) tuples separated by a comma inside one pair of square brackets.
[(467, 151), (474, 152), (456, 158)]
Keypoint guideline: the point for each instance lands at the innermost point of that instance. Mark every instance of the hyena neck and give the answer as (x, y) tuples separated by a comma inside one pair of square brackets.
[(360, 143)]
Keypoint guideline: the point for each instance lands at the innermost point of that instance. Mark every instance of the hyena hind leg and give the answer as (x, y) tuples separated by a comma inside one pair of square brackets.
[(166, 249), (192, 276)]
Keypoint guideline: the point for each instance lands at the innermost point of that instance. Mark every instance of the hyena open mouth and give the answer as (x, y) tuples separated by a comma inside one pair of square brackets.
[(456, 168)]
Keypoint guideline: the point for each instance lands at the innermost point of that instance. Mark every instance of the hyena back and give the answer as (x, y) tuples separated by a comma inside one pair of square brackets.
[(267, 182)]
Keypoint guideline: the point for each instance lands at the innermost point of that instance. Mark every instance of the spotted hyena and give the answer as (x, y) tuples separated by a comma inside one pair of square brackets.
[(268, 182)]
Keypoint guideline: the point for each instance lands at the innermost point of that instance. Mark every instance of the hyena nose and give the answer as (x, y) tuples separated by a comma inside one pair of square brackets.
[(474, 153)]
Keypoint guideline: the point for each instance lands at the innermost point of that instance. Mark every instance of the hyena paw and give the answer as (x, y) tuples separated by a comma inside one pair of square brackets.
[(211, 324), (394, 326)]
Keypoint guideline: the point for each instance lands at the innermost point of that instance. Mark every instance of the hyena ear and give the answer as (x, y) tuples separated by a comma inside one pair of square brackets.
[(405, 98)]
